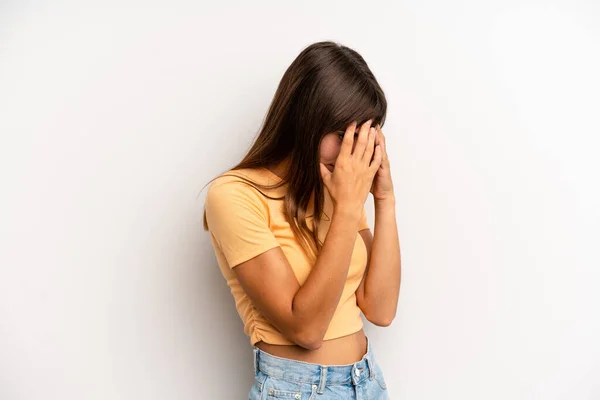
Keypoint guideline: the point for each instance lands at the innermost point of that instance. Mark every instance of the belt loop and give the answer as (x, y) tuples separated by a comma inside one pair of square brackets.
[(255, 359), (371, 367), (322, 380), (370, 361)]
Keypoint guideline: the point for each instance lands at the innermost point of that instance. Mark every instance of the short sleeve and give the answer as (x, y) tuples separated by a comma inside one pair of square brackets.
[(363, 224), (238, 221)]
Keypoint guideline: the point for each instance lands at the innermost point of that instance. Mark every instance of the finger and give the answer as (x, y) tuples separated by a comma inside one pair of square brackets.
[(380, 133), (370, 146), (361, 145), (377, 140), (325, 174), (382, 142), (348, 140), (376, 163), (384, 151)]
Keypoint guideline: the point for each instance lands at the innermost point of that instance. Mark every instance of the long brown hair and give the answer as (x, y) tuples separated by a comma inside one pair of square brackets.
[(327, 87)]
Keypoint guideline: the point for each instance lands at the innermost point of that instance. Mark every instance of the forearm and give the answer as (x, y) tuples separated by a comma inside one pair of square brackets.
[(382, 280), (316, 301)]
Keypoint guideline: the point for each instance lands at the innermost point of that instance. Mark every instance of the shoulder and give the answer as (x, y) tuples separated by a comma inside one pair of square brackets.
[(235, 180), (237, 188)]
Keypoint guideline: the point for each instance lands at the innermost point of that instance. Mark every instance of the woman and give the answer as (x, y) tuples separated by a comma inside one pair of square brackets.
[(290, 233)]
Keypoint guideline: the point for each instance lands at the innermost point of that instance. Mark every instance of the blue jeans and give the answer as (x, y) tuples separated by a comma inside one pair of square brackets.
[(283, 378)]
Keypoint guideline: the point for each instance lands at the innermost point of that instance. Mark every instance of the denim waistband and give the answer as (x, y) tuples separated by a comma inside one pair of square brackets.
[(315, 374)]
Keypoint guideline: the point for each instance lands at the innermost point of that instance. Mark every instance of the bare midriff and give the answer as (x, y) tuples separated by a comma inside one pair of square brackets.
[(340, 351)]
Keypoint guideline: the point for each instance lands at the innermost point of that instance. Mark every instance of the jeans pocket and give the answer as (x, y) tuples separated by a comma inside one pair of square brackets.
[(281, 389)]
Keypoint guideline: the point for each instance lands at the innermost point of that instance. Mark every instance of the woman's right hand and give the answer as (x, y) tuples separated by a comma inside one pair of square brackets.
[(350, 182)]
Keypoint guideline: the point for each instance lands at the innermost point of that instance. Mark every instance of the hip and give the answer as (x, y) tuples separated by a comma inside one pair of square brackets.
[(284, 378)]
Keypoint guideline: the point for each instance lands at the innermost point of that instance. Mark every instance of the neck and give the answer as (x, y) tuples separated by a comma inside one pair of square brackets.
[(281, 168)]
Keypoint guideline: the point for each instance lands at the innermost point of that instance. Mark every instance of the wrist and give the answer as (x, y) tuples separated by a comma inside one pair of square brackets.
[(387, 202), (348, 211)]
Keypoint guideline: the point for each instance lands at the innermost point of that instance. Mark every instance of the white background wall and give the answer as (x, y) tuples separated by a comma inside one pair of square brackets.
[(114, 115)]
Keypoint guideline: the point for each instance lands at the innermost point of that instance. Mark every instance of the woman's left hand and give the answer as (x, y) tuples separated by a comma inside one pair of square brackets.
[(382, 187)]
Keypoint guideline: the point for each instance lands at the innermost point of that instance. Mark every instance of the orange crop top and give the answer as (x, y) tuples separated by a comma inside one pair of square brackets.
[(243, 224)]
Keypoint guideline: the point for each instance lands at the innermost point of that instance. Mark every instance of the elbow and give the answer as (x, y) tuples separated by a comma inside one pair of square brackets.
[(309, 343), (308, 340), (383, 320), (377, 315)]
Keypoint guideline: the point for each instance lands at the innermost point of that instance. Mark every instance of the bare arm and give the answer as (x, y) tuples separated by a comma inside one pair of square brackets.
[(377, 294), (302, 313)]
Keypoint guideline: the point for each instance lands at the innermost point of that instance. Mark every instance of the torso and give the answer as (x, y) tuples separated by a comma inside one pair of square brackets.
[(341, 351)]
